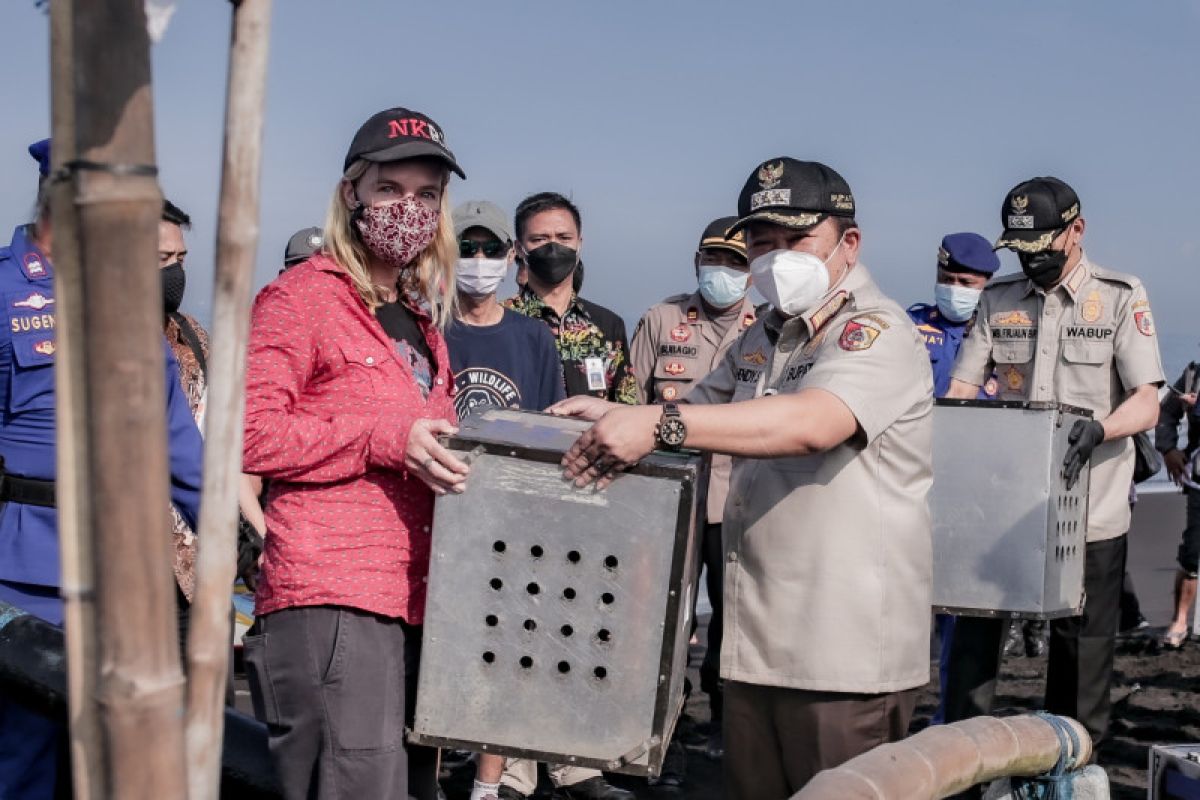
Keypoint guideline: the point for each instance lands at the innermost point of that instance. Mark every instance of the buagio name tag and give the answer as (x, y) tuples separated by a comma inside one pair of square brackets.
[(595, 374)]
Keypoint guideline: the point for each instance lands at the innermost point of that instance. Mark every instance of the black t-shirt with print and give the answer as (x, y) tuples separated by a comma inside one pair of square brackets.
[(400, 323)]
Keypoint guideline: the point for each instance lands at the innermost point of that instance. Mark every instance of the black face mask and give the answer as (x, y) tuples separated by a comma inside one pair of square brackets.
[(174, 281), (1044, 268), (552, 262)]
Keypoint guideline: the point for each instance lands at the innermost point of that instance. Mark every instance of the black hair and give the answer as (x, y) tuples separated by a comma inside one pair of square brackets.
[(175, 215), (544, 201)]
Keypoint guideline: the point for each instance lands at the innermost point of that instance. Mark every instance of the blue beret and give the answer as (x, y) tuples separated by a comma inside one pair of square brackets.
[(968, 251), (41, 153)]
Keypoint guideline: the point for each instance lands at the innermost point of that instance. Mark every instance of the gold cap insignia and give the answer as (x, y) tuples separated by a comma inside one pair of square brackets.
[(1020, 202), (769, 175)]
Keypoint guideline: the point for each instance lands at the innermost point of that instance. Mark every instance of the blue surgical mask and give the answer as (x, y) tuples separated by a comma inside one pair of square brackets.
[(957, 303), (721, 287)]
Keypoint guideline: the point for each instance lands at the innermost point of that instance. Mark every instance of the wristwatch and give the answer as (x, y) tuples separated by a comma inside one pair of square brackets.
[(670, 430)]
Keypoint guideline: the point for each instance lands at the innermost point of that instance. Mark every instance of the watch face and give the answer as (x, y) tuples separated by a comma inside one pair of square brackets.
[(673, 432)]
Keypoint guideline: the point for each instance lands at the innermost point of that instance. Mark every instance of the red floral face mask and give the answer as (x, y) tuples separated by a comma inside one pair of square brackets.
[(396, 233)]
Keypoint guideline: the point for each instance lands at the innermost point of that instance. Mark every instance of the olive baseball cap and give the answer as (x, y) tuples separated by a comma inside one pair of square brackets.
[(481, 214)]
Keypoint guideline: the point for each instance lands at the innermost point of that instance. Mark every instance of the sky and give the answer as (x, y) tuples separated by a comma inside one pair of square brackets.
[(651, 115)]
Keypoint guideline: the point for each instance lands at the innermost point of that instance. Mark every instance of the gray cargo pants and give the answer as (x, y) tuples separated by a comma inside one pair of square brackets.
[(335, 687)]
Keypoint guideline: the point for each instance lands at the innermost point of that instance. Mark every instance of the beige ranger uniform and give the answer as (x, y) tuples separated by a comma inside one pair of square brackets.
[(828, 556), (1087, 343), (676, 344)]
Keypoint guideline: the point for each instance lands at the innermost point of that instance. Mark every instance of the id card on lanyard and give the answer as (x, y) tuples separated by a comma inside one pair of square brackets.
[(597, 381)]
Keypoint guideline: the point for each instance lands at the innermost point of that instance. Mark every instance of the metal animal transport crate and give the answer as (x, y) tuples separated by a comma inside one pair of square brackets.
[(558, 618), (1175, 772), (1008, 536)]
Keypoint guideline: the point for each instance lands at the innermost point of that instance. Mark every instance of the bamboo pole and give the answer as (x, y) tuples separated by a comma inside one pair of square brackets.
[(946, 759), (77, 579), (139, 684), (237, 241)]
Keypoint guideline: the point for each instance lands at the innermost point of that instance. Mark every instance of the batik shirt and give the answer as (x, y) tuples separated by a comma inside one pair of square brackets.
[(591, 343)]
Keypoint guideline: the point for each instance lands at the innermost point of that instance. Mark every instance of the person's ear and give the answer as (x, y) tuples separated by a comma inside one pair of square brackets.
[(850, 242), (349, 195)]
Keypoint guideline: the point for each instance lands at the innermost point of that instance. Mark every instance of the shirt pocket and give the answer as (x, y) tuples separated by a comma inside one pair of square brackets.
[(31, 377), (363, 369), (1089, 378), (1014, 367)]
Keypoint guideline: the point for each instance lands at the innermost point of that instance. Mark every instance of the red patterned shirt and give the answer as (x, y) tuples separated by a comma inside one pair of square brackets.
[(329, 406)]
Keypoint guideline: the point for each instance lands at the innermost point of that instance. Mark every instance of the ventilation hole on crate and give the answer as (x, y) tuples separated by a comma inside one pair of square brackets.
[(600, 672), (492, 620), (604, 635), (610, 562), (499, 546), (533, 588), (530, 625), (536, 551), (574, 556), (566, 630), (526, 662), (607, 598), (568, 593), (497, 584), (564, 667), (489, 657)]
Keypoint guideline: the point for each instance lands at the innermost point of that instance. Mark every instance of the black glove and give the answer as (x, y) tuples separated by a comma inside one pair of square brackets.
[(1084, 436), (249, 548)]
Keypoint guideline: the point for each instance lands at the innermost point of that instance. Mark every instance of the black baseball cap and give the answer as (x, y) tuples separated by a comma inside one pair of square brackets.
[(400, 133), (713, 237), (795, 194), (1035, 212)]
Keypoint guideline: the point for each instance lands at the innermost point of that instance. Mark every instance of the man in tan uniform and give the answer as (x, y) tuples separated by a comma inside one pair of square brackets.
[(1066, 330), (676, 344), (825, 403)]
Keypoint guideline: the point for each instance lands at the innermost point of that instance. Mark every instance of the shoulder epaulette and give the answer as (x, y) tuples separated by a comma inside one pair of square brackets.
[(1116, 277)]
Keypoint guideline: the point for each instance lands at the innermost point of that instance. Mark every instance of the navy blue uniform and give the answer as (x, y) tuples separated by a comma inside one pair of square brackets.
[(943, 339), (29, 554), (512, 364)]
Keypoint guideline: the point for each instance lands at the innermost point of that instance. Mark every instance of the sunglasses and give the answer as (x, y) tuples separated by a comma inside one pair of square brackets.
[(491, 249)]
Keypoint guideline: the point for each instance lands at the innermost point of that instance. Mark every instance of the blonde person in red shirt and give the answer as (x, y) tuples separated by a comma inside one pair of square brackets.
[(348, 387)]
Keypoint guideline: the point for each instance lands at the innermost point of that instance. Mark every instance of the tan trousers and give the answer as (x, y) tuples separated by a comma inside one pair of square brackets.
[(521, 774)]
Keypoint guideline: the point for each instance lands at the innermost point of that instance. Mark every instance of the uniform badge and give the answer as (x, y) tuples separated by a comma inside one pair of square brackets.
[(1020, 203), (674, 368), (769, 175), (1092, 308), (680, 333), (37, 301), (747, 321), (45, 347), (34, 267), (859, 334), (693, 314), (1144, 321), (757, 358), (1014, 317), (670, 393), (1014, 378), (991, 387)]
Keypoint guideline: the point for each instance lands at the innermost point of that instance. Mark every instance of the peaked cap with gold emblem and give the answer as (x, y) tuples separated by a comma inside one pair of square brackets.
[(795, 194), (1035, 212)]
